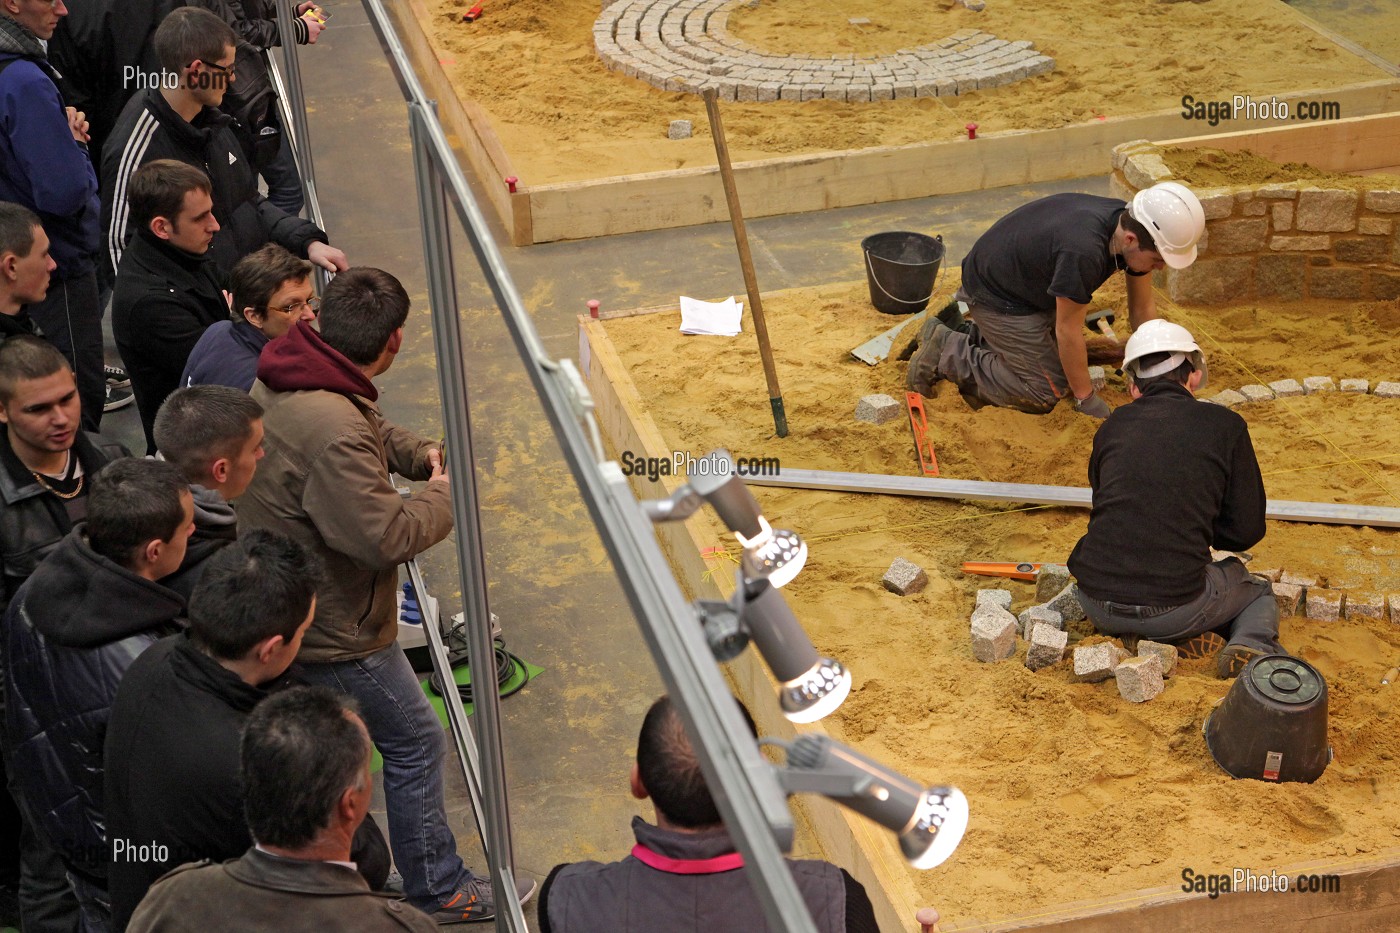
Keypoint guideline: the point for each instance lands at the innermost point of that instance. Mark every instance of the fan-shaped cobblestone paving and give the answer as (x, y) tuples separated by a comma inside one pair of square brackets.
[(684, 45)]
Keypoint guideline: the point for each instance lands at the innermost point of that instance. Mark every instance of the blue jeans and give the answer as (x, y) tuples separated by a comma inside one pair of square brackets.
[(409, 737), (283, 181)]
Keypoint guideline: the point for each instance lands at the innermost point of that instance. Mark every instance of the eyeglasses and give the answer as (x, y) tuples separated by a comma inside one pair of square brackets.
[(214, 66), (295, 307)]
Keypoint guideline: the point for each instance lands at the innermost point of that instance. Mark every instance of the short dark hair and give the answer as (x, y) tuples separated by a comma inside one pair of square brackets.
[(670, 769), (1179, 375), (199, 424), (260, 586), (17, 224), (27, 357), (188, 34), (133, 501), (300, 753), (360, 310), (158, 189), (1137, 229), (258, 275)]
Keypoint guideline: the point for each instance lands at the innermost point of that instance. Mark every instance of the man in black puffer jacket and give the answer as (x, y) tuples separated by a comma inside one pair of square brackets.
[(184, 123), (168, 292), (70, 633)]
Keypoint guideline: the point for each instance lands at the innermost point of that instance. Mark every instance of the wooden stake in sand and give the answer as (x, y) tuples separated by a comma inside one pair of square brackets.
[(741, 238)]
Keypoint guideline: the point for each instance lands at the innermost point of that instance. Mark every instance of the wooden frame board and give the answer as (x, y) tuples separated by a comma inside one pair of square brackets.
[(1369, 897), (1356, 144), (815, 181)]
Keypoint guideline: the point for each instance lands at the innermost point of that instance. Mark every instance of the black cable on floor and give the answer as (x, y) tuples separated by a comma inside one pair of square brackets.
[(507, 665)]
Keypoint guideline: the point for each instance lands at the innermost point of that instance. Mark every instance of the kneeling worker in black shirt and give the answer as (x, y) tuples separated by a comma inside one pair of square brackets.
[(1172, 478), (1027, 283)]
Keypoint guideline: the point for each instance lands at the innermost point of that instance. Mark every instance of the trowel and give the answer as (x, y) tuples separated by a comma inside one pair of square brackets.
[(875, 350)]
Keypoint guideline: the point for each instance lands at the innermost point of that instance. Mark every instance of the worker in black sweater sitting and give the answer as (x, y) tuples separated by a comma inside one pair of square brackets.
[(1173, 478)]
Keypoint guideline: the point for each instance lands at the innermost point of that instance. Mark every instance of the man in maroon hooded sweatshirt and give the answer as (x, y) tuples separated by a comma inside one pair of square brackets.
[(324, 481)]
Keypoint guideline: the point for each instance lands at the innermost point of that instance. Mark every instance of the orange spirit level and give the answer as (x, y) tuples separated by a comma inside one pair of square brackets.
[(1014, 571), (918, 423)]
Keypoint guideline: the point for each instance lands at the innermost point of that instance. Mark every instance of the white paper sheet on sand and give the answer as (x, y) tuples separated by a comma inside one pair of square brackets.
[(717, 318)]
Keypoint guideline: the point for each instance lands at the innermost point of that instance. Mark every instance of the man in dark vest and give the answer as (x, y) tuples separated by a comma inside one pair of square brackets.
[(684, 875)]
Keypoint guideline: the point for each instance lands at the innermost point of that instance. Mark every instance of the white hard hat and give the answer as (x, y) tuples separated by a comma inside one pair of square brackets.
[(1159, 336), (1174, 217)]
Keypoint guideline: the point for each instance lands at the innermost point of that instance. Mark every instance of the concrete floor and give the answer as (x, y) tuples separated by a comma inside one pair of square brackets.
[(571, 734)]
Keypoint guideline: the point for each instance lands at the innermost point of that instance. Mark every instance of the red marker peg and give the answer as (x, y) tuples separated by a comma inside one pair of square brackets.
[(972, 131), (593, 308), (511, 182)]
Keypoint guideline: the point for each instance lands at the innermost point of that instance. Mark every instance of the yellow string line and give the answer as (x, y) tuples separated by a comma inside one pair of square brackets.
[(1299, 416), (1323, 466)]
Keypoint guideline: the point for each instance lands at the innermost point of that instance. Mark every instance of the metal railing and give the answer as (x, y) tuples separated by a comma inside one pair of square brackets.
[(746, 788)]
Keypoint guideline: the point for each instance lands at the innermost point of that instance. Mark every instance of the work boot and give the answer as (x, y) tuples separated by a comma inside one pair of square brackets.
[(1233, 659), (923, 365), (1204, 645), (952, 318)]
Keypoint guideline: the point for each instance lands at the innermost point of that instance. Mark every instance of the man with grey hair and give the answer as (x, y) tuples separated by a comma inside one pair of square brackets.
[(307, 785)]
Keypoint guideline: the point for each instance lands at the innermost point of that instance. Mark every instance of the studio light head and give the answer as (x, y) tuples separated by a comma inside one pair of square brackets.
[(811, 686), (776, 556), (930, 821)]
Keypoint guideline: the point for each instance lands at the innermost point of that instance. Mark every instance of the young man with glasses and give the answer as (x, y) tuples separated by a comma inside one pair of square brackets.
[(271, 291), (185, 124), (168, 291)]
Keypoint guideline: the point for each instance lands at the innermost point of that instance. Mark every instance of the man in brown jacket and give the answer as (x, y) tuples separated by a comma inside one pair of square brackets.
[(305, 767), (325, 482)]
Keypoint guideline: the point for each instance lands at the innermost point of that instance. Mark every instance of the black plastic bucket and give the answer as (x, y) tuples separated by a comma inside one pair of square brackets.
[(900, 268), (1272, 725)]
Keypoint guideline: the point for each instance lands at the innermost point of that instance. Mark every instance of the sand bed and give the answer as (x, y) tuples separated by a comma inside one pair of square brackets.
[(1076, 793), (563, 116)]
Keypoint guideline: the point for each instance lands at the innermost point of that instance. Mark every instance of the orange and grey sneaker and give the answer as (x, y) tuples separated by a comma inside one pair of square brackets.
[(1204, 645), (1233, 659), (475, 901)]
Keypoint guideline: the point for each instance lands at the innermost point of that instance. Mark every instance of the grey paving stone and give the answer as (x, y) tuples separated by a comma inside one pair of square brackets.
[(993, 597), (1139, 679), (905, 577), (1095, 663), (1047, 647), (993, 635), (1322, 605), (1167, 654)]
